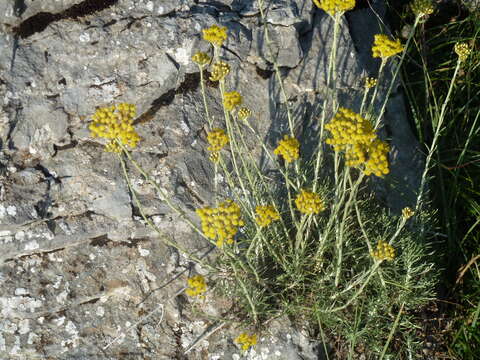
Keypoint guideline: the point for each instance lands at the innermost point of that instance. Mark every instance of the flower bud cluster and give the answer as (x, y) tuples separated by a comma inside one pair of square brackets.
[(462, 50), (244, 113), (384, 251), (407, 213), (355, 135), (384, 48), (266, 214), (422, 7), (246, 341), (217, 140), (309, 203), (231, 100), (219, 71), (288, 148), (370, 82), (115, 123), (196, 286), (221, 223), (201, 58), (335, 6)]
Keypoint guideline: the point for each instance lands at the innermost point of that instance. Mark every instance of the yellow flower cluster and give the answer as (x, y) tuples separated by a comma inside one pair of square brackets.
[(196, 286), (289, 148), (377, 163), (355, 135), (266, 214), (384, 251), (221, 223), (370, 82), (422, 7), (309, 203), (244, 113), (383, 47), (201, 58), (349, 128), (335, 6), (217, 140), (115, 123), (246, 341), (462, 50), (407, 213), (232, 100), (219, 71), (215, 34)]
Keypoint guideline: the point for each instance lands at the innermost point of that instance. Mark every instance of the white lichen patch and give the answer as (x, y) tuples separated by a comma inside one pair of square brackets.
[(32, 245), (10, 305), (143, 252), (59, 321), (24, 326)]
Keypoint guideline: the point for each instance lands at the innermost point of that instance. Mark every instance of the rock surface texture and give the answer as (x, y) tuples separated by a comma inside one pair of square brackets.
[(81, 277)]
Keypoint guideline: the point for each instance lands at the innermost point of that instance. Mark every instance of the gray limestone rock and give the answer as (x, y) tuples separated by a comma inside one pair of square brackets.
[(81, 276)]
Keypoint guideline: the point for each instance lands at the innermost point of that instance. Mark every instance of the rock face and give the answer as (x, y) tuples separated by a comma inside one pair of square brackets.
[(81, 276)]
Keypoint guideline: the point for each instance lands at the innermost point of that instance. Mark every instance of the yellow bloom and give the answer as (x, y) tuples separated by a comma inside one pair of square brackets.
[(309, 203), (335, 6), (462, 50), (377, 162), (288, 148), (232, 100), (246, 341), (221, 223), (355, 135), (201, 58), (219, 71), (370, 82), (217, 140), (215, 34), (244, 113), (407, 213), (196, 286), (266, 214), (383, 47), (422, 7), (348, 128), (384, 251), (115, 123)]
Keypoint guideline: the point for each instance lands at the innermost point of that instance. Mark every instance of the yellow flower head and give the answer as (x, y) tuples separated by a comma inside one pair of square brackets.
[(309, 203), (335, 6), (462, 50), (422, 7), (377, 161), (348, 128), (383, 47), (244, 113), (219, 71), (266, 214), (217, 140), (215, 34), (246, 341), (384, 251), (201, 58), (115, 123), (232, 100), (221, 223), (288, 148), (196, 286), (407, 213), (370, 82)]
